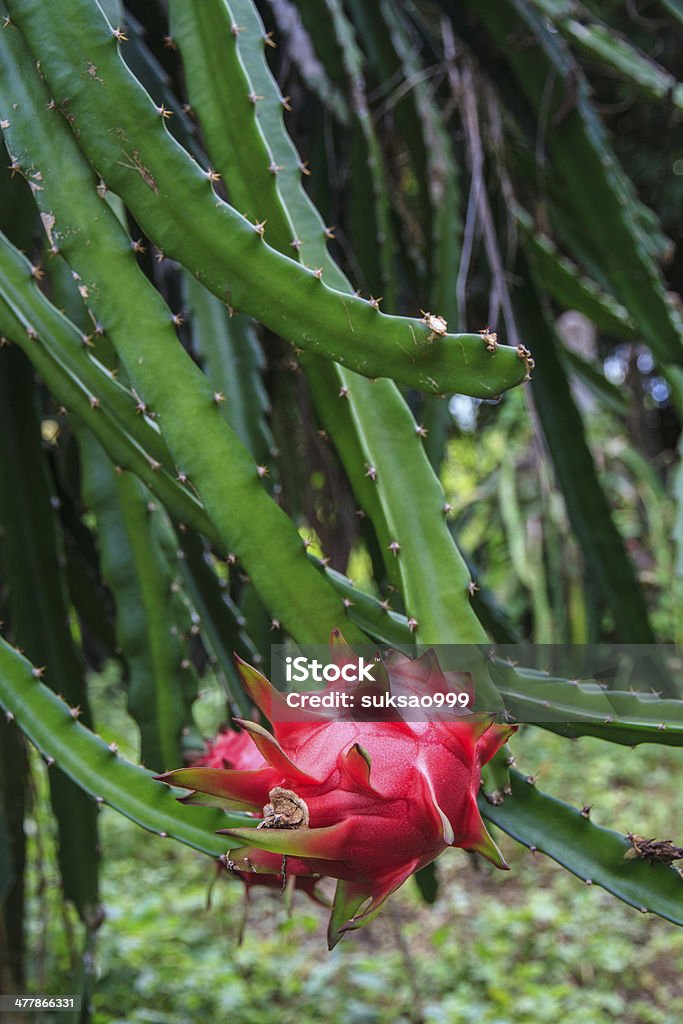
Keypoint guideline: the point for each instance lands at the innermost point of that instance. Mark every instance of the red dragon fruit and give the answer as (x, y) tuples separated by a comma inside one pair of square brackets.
[(366, 802), (231, 749)]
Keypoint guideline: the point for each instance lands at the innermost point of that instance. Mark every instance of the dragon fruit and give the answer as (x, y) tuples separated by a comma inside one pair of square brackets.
[(231, 749), (365, 802)]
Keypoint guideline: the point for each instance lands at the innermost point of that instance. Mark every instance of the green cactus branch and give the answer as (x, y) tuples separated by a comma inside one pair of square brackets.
[(608, 213), (618, 53), (125, 444), (224, 630), (416, 541), (137, 573), (292, 212), (370, 225), (96, 766), (593, 853), (584, 708), (563, 281), (37, 604), (141, 329), (174, 201), (84, 387)]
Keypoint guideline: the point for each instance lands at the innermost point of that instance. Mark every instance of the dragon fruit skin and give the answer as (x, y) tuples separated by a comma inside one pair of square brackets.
[(237, 750), (231, 749), (365, 802)]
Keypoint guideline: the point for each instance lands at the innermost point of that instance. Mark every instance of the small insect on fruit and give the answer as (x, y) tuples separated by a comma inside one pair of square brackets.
[(436, 324)]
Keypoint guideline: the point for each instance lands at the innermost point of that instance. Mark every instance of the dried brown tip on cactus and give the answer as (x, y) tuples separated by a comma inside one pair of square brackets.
[(438, 325), (490, 339)]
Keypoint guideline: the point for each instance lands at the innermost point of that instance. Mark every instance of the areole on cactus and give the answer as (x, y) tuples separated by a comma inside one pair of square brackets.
[(365, 802)]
